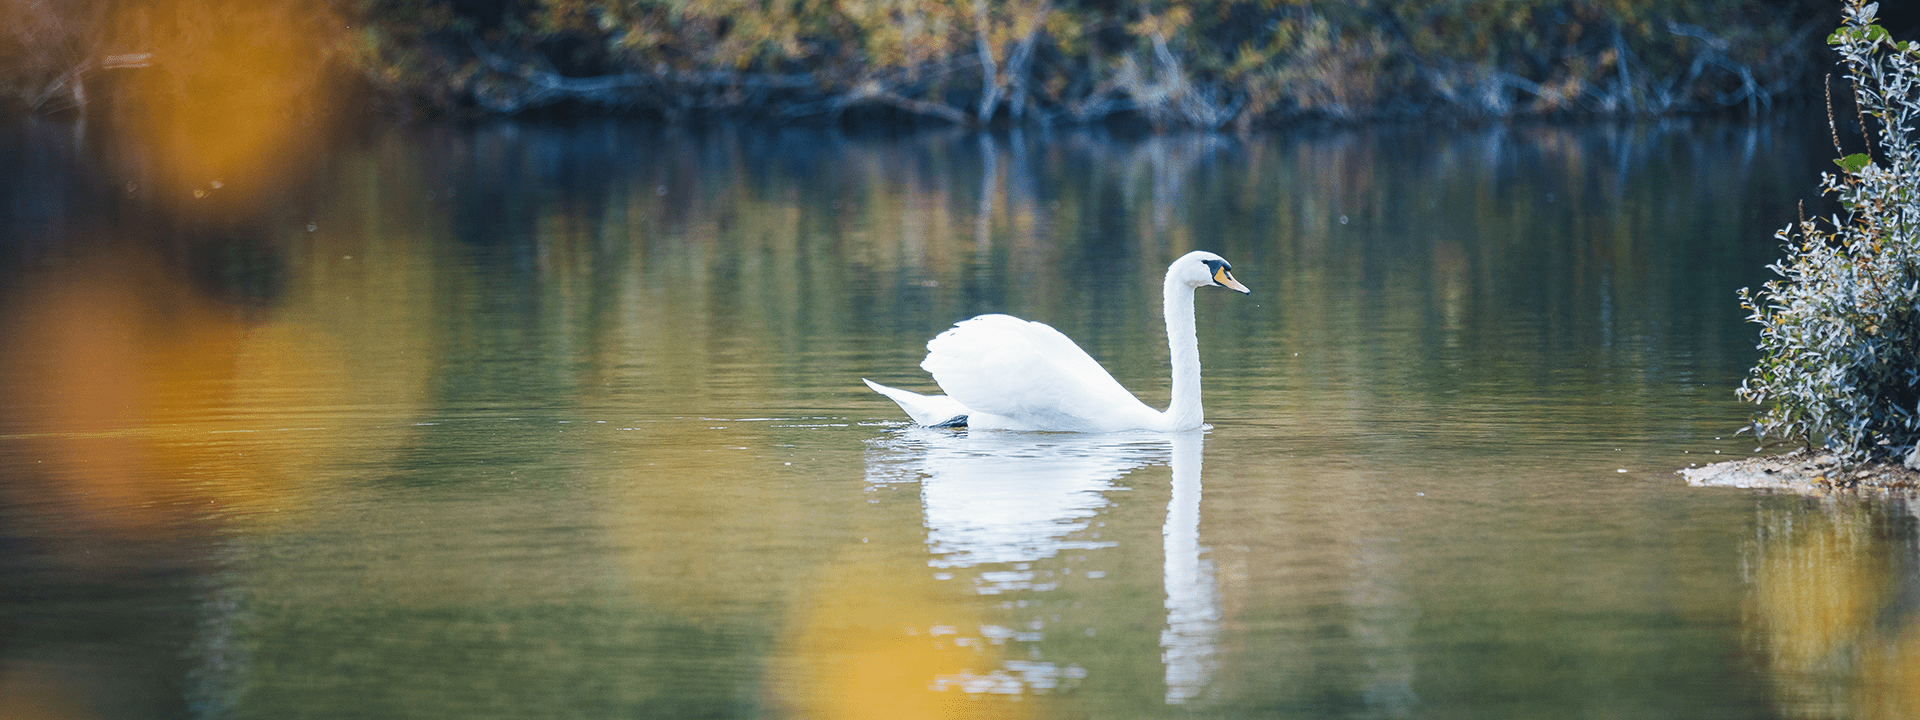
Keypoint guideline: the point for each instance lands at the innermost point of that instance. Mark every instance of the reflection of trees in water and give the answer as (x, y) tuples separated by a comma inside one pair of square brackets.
[(149, 415), (1834, 606), (1594, 246), (1568, 238)]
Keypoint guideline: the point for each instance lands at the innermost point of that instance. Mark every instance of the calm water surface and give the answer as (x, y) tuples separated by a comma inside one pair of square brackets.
[(520, 421)]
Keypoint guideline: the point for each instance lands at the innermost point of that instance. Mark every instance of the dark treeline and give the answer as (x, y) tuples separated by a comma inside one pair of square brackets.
[(1169, 63)]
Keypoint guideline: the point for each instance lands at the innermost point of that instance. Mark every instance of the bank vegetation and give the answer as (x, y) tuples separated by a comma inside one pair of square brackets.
[(1168, 63), (1839, 371)]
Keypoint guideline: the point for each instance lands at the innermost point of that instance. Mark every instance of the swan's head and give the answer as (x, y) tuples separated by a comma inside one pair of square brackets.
[(1200, 268)]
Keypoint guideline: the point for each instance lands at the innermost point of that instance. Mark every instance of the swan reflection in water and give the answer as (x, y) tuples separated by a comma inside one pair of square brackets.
[(996, 502)]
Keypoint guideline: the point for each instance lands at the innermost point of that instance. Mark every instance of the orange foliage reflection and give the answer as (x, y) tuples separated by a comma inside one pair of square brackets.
[(114, 354), (1827, 608), (877, 637), (98, 359), (142, 402)]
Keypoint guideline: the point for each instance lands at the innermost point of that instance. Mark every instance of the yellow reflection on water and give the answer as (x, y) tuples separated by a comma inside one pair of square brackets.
[(146, 412), (1890, 677), (139, 399), (1828, 612), (35, 691), (97, 357), (874, 636), (128, 375)]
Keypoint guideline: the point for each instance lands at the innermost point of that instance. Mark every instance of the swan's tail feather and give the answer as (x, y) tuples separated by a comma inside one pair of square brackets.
[(926, 410)]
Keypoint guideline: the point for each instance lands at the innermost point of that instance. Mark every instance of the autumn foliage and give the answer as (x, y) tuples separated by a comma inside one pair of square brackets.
[(1172, 63)]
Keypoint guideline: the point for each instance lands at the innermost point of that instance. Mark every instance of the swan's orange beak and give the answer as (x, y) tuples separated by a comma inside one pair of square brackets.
[(1224, 277)]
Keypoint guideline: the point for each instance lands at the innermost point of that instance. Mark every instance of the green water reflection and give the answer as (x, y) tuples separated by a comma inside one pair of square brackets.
[(516, 421)]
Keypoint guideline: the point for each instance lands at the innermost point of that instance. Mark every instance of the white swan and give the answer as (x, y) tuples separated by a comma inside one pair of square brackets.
[(1004, 373)]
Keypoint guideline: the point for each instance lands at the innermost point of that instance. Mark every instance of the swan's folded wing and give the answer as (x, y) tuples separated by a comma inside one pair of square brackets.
[(1007, 366)]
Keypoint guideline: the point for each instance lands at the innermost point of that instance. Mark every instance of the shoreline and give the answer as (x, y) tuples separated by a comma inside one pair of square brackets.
[(1804, 473)]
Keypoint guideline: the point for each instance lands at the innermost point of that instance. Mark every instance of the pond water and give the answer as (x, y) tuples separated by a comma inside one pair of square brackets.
[(524, 420)]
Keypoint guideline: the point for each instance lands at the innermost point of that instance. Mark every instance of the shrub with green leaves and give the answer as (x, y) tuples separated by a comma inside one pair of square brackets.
[(1840, 328)]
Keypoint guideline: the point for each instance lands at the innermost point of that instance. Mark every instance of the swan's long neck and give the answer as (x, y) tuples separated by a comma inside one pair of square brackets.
[(1184, 413)]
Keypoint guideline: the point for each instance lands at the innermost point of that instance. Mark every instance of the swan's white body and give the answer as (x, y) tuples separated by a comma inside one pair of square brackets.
[(1004, 373)]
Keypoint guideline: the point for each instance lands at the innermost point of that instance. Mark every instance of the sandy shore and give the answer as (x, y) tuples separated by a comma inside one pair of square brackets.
[(1801, 472)]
